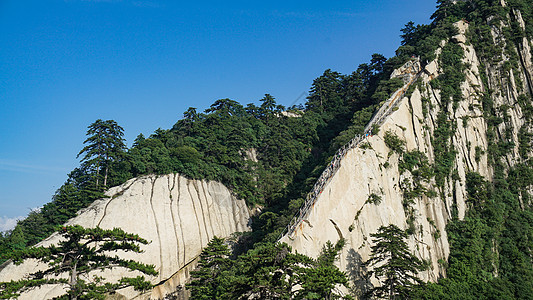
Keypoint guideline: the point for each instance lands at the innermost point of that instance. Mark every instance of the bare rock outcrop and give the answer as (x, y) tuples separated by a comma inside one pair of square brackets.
[(179, 216), (342, 208)]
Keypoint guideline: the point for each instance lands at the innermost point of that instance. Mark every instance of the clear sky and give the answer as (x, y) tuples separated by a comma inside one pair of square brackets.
[(66, 63)]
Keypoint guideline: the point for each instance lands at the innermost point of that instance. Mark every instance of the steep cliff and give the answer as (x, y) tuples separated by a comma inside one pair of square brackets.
[(179, 216), (446, 158), (413, 172)]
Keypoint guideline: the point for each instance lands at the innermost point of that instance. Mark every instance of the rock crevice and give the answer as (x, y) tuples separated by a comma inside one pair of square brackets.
[(364, 171), (160, 209)]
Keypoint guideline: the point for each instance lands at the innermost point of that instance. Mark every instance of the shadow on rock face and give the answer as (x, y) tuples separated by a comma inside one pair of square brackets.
[(357, 274)]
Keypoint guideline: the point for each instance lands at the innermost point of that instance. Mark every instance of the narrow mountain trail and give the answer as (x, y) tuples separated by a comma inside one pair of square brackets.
[(412, 70)]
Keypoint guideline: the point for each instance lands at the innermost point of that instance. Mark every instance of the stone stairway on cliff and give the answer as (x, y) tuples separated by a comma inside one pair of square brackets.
[(409, 73)]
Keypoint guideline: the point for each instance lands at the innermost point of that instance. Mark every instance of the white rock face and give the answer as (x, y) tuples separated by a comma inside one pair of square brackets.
[(341, 210), (179, 216)]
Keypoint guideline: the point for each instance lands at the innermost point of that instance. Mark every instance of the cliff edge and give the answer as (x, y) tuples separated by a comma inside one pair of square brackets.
[(179, 216), (390, 177)]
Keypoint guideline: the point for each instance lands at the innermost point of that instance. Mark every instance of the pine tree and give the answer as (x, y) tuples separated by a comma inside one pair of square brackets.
[(80, 252), (394, 266), (105, 144), (320, 279), (269, 108), (268, 272), (190, 117), (324, 95), (213, 260)]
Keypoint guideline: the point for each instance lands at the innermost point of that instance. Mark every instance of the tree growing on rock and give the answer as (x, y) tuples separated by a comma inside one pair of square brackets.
[(214, 259), (320, 279), (268, 271), (73, 262), (393, 265), (105, 144)]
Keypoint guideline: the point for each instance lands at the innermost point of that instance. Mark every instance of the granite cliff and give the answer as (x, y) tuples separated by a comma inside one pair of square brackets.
[(460, 114), (179, 216), (368, 169)]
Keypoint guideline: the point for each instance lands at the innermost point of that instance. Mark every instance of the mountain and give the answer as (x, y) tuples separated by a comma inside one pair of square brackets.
[(436, 140), (179, 216), (400, 175), (450, 164)]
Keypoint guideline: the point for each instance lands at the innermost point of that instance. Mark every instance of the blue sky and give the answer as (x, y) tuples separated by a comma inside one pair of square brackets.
[(66, 63)]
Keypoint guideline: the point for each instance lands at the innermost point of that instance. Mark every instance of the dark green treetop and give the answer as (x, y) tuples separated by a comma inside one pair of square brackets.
[(393, 265), (105, 143), (269, 271), (81, 252)]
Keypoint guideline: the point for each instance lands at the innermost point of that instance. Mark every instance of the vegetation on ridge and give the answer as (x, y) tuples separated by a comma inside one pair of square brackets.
[(265, 157), (272, 160), (270, 271)]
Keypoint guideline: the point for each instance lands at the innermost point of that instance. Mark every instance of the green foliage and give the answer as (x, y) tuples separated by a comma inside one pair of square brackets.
[(423, 40), (393, 265), (450, 81), (495, 237), (320, 279), (105, 145), (394, 143), (490, 255), (418, 84), (81, 252), (326, 93), (10, 290), (263, 156), (273, 160), (417, 164), (359, 120), (205, 280), (442, 147), (374, 198), (524, 141), (478, 153), (449, 84), (386, 88), (269, 271), (411, 34)]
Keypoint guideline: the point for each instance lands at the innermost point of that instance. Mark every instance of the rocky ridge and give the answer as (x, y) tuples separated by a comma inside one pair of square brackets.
[(159, 208), (179, 216), (342, 207)]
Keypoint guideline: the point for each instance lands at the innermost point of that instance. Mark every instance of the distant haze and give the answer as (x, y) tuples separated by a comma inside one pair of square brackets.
[(8, 223)]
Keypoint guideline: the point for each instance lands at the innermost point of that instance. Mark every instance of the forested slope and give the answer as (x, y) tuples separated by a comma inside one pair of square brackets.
[(266, 157), (451, 165), (480, 52)]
